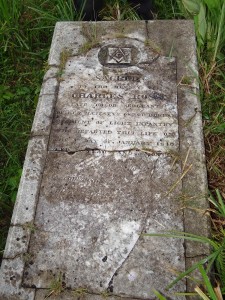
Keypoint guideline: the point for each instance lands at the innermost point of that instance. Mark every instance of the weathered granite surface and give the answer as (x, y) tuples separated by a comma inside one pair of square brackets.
[(116, 151), (90, 222)]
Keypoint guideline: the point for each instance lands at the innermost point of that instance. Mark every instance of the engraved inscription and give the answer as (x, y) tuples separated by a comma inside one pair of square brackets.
[(139, 112)]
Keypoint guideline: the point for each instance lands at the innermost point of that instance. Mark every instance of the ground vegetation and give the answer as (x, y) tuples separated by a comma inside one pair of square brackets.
[(26, 28)]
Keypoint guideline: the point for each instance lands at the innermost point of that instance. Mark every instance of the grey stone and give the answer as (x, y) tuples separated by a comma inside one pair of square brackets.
[(52, 72), (102, 116), (46, 104), (75, 295), (116, 152), (18, 240), (102, 220), (49, 87), (11, 280), (180, 42), (43, 116), (72, 39), (27, 196)]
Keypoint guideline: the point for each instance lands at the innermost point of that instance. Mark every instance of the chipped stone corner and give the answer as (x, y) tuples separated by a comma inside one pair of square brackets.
[(11, 280), (71, 39)]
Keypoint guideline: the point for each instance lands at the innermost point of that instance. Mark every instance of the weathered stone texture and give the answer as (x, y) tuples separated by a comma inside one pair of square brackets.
[(11, 280), (98, 237), (27, 196), (116, 152)]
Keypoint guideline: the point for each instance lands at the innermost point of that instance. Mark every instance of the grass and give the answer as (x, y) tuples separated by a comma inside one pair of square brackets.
[(56, 286), (26, 28), (209, 18), (25, 37), (216, 257), (206, 292), (116, 10)]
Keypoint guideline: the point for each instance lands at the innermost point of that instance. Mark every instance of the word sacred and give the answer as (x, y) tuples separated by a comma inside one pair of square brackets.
[(127, 77)]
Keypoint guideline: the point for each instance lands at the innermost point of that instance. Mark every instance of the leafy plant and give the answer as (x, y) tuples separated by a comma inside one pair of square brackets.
[(218, 204), (209, 17)]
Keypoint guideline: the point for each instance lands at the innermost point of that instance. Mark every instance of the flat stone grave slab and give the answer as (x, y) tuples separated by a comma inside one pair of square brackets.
[(116, 151)]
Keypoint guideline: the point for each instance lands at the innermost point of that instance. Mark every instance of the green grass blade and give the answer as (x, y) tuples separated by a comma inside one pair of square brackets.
[(158, 295), (185, 235), (212, 256), (222, 205), (221, 26), (207, 283), (202, 23), (201, 294), (211, 3), (218, 203)]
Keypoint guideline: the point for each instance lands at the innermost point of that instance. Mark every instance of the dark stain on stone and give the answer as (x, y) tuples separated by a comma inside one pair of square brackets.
[(71, 152), (104, 258), (110, 287)]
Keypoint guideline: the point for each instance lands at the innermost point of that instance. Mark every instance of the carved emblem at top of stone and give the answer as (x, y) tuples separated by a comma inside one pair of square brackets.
[(119, 55)]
